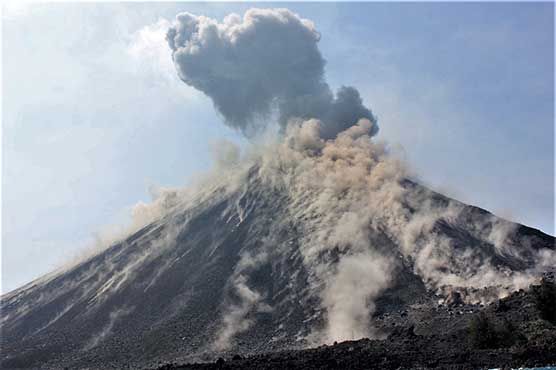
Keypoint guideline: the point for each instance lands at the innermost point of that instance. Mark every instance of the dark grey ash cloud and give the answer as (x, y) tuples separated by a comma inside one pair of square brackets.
[(268, 60)]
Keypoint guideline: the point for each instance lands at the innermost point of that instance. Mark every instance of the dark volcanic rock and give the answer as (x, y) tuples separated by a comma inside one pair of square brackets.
[(454, 298), (448, 349), (161, 294)]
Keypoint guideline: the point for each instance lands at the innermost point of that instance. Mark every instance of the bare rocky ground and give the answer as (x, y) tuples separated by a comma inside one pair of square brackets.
[(161, 295), (509, 333)]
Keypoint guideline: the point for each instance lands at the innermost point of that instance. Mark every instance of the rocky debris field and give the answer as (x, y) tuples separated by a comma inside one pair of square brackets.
[(517, 331)]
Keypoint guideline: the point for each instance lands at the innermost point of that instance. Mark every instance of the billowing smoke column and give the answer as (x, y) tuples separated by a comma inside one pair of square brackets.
[(266, 61)]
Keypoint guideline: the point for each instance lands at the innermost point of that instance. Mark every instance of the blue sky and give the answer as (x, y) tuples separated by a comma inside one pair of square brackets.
[(94, 115)]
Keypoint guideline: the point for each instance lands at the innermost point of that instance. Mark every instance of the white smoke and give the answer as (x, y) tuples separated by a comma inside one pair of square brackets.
[(349, 296), (235, 319), (107, 329)]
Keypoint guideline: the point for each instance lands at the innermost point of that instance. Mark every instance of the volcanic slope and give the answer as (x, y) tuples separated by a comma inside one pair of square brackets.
[(164, 292), (234, 271)]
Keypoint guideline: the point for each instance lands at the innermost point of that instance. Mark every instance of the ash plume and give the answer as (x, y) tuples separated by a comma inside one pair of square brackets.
[(268, 61)]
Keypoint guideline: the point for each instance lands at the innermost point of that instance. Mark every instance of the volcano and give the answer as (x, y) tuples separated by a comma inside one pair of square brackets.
[(318, 234), (305, 244)]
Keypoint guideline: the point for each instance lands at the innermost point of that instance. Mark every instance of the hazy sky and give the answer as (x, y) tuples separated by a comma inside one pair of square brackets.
[(94, 115)]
